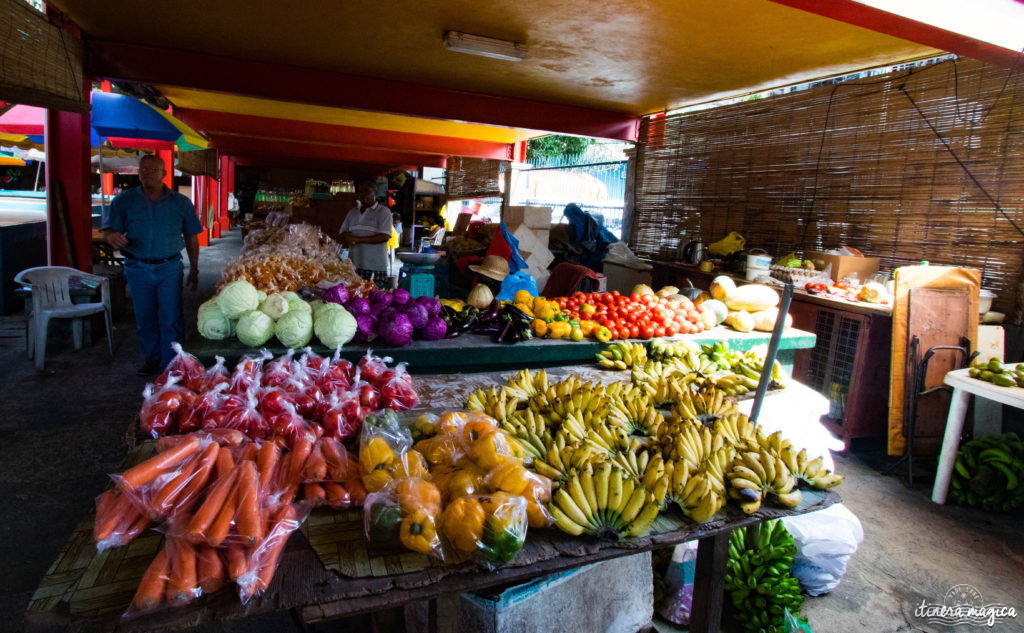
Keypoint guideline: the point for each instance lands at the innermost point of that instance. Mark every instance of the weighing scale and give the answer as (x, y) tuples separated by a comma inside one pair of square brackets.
[(417, 273)]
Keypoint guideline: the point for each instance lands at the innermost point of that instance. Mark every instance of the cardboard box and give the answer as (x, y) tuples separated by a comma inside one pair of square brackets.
[(845, 266), (533, 217)]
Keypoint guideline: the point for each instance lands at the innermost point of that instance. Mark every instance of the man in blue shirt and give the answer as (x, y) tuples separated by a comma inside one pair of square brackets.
[(150, 224)]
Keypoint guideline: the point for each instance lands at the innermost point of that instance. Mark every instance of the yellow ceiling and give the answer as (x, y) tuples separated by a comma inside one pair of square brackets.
[(218, 102), (626, 56)]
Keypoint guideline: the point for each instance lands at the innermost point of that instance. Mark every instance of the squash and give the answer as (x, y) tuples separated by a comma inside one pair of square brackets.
[(702, 297), (642, 289), (752, 298), (480, 296), (718, 308), (708, 318), (764, 320), (721, 286), (741, 321), (667, 291)]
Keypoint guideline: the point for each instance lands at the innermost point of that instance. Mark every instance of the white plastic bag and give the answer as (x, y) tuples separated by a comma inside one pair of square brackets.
[(679, 577), (619, 253), (825, 540)]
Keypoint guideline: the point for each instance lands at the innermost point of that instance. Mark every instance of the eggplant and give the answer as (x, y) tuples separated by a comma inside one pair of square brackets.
[(491, 311)]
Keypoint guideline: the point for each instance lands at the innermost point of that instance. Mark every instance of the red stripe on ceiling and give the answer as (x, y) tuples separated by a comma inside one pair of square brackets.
[(241, 145), (148, 64), (858, 14), (214, 122)]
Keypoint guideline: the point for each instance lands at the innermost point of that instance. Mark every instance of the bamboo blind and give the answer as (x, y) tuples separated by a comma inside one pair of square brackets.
[(849, 164), (468, 178), (40, 64)]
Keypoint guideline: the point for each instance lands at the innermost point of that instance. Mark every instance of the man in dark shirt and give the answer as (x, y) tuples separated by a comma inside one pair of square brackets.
[(151, 224)]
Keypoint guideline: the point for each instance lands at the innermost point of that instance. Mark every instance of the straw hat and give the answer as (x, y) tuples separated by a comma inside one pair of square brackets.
[(493, 266)]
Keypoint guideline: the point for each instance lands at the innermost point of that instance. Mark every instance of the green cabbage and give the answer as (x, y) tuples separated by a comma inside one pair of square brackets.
[(290, 296), (299, 305), (212, 323), (237, 298), (274, 306), (334, 325), (255, 328), (294, 329), (260, 295)]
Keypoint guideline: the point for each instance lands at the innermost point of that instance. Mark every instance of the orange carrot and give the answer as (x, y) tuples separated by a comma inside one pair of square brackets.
[(336, 457), (190, 491), (225, 464), (120, 509), (154, 466), (266, 462), (314, 493), (150, 593), (210, 569), (227, 437), (299, 455), (238, 558), (247, 520), (210, 508), (356, 491), (249, 452), (218, 530), (284, 525), (182, 584), (134, 528), (168, 493), (337, 497), (316, 466)]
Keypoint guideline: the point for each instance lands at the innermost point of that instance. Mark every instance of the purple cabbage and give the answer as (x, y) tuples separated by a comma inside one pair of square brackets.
[(380, 311), (435, 329), (382, 297), (396, 330), (417, 314), (336, 294), (432, 305), (400, 296), (364, 327), (357, 306)]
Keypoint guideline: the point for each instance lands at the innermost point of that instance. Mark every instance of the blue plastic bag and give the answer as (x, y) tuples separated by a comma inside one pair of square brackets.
[(514, 282)]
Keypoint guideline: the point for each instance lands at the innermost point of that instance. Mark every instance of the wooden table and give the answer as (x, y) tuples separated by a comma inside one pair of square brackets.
[(84, 594), (963, 386), (476, 352)]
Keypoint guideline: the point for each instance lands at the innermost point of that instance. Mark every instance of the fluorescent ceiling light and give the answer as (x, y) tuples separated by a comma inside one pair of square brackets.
[(484, 46)]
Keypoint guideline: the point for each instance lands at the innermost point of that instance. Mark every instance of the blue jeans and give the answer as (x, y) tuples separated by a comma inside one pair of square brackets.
[(156, 295)]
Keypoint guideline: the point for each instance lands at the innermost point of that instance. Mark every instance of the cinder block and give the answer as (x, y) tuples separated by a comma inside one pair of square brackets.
[(616, 596)]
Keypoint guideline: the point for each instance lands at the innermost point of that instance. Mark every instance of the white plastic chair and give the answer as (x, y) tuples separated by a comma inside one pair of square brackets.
[(51, 299)]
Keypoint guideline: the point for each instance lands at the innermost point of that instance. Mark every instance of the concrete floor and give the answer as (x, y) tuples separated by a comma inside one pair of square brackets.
[(63, 430)]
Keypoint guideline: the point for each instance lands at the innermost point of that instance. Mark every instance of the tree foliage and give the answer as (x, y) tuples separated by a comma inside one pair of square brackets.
[(556, 145)]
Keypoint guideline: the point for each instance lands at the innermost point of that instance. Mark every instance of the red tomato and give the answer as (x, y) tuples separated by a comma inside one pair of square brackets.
[(635, 296), (634, 331), (647, 331), (659, 331), (671, 329)]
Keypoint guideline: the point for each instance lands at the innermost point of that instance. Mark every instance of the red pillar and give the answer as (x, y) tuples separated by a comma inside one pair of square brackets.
[(167, 155), (204, 237), (108, 184), (231, 178), (225, 187), (214, 228), (67, 163)]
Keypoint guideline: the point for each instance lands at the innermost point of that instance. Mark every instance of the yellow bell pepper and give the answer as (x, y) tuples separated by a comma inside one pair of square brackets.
[(545, 312), (464, 482), (374, 481), (559, 329), (509, 476), (439, 450), (463, 523), (409, 465), (523, 296), (524, 308), (491, 450), (419, 532), (375, 455)]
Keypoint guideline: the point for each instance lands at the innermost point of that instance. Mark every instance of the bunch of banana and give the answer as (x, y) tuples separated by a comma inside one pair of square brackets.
[(497, 403), (603, 501), (638, 415), (607, 439), (715, 467), (654, 371), (733, 384), (758, 580), (525, 384), (622, 355), (698, 499), (590, 404), (557, 463), (569, 430), (691, 442), (739, 431), (662, 348), (667, 392), (752, 476), (754, 358), (809, 471), (624, 391), (530, 430), (645, 464), (989, 472), (707, 404)]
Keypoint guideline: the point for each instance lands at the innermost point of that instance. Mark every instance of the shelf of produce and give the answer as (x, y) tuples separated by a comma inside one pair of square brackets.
[(475, 352)]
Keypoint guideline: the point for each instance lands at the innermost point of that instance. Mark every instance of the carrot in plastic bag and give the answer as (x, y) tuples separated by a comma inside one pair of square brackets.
[(182, 586), (211, 507), (314, 493), (225, 464), (221, 526), (247, 519), (339, 465), (337, 496), (150, 593), (298, 456), (266, 462), (356, 491), (156, 465), (238, 561), (165, 498), (285, 523), (114, 510), (210, 569), (249, 452), (190, 492), (315, 468)]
